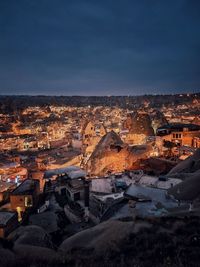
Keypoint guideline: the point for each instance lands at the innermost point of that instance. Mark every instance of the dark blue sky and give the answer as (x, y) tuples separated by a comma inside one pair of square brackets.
[(104, 47)]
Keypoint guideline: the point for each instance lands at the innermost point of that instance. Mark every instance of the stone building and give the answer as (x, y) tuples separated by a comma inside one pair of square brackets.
[(88, 130), (181, 134), (71, 184), (25, 196), (91, 135)]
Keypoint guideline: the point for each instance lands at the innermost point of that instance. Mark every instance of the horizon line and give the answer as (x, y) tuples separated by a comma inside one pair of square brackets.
[(128, 95)]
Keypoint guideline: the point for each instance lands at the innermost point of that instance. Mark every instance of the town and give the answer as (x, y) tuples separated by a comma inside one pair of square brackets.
[(68, 168), (99, 133)]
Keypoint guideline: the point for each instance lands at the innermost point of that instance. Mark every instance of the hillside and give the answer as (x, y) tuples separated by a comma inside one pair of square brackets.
[(156, 242)]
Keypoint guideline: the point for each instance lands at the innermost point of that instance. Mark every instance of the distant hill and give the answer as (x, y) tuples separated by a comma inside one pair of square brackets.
[(11, 103)]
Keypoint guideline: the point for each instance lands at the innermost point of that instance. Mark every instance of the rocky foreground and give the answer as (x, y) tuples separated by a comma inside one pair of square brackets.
[(155, 242)]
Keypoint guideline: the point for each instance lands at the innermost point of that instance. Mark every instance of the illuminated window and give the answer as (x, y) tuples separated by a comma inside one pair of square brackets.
[(28, 202)]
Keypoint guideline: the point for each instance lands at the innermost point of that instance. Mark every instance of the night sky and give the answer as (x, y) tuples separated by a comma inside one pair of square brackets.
[(104, 47)]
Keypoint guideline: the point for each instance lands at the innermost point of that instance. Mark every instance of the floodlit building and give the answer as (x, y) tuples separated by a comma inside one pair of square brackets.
[(181, 134), (91, 135), (88, 130)]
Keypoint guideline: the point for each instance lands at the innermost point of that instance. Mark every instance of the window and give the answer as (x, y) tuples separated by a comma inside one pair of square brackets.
[(28, 202), (177, 135)]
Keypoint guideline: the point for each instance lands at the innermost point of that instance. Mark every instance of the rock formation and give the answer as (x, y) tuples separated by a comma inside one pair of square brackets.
[(139, 126), (189, 171), (166, 241), (157, 166), (31, 235), (189, 189), (189, 165), (111, 154), (162, 242)]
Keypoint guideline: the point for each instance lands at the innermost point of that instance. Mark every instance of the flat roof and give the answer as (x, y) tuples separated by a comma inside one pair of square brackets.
[(26, 187), (76, 174), (59, 171), (180, 126), (160, 203), (5, 216), (138, 191)]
